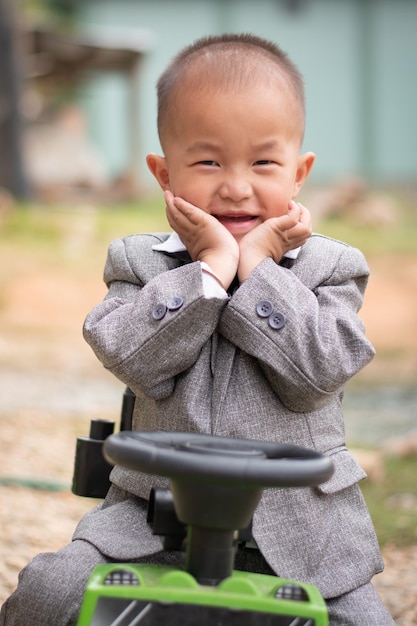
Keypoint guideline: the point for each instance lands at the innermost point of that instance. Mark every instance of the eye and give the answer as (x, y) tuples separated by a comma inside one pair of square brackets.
[(264, 162), (208, 163)]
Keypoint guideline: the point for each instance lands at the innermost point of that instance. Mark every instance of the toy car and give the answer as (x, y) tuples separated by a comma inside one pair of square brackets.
[(216, 484)]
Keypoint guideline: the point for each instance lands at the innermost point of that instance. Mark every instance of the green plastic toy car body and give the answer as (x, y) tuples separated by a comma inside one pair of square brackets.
[(155, 595), (216, 484)]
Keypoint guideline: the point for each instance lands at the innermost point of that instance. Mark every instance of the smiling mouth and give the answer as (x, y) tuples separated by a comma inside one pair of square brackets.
[(236, 219)]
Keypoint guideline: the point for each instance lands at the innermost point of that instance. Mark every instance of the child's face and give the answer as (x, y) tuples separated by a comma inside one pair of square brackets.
[(235, 155)]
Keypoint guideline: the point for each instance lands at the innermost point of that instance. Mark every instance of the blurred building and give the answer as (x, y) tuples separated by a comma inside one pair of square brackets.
[(358, 57), (64, 74)]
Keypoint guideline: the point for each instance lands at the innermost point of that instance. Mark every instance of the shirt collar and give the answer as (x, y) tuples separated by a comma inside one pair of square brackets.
[(174, 244)]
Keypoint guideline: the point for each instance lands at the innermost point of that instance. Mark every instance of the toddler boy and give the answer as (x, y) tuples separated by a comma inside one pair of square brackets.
[(239, 324)]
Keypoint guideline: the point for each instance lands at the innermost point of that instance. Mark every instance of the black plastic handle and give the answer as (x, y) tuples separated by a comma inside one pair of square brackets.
[(211, 459)]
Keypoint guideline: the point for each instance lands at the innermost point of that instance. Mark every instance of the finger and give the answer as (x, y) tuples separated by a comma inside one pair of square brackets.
[(294, 211), (169, 196), (171, 211), (190, 212), (176, 202), (305, 219), (178, 216), (175, 207), (305, 215), (288, 220)]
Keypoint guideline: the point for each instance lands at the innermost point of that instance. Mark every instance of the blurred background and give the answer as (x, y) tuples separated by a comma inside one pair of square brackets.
[(81, 76), (77, 118)]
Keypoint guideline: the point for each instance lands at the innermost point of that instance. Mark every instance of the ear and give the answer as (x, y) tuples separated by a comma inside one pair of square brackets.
[(305, 163), (158, 166)]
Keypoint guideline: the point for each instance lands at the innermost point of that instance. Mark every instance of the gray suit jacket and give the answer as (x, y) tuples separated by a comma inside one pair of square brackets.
[(217, 366)]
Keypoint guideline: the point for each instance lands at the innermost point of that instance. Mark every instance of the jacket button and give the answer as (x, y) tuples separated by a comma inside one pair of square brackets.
[(175, 303), (276, 320), (159, 311), (264, 308)]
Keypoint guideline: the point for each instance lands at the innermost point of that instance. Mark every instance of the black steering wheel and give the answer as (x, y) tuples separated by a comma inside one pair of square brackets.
[(212, 459), (216, 484)]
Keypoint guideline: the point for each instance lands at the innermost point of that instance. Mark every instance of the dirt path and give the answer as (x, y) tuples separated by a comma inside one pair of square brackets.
[(390, 316)]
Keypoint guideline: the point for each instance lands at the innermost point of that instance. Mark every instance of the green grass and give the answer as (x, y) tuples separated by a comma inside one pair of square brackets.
[(393, 503), (75, 238), (40, 226), (376, 238)]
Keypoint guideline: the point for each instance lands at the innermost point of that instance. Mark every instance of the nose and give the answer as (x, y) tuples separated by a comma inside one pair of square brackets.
[(235, 187)]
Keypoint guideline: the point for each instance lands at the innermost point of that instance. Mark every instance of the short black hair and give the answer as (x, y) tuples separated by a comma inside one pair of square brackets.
[(230, 59)]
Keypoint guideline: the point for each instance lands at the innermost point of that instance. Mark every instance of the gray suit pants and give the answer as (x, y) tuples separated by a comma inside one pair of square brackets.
[(52, 585)]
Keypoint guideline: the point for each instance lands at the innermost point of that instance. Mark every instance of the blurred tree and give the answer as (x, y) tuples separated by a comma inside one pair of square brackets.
[(56, 13), (12, 171)]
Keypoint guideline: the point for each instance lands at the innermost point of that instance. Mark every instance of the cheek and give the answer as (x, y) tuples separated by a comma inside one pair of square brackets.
[(196, 194), (295, 189), (277, 200)]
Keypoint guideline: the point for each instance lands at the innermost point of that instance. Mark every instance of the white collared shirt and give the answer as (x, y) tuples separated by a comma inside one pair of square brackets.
[(211, 285)]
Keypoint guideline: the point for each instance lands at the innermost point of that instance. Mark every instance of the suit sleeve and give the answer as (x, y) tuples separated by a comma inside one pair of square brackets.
[(319, 342), (146, 332)]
